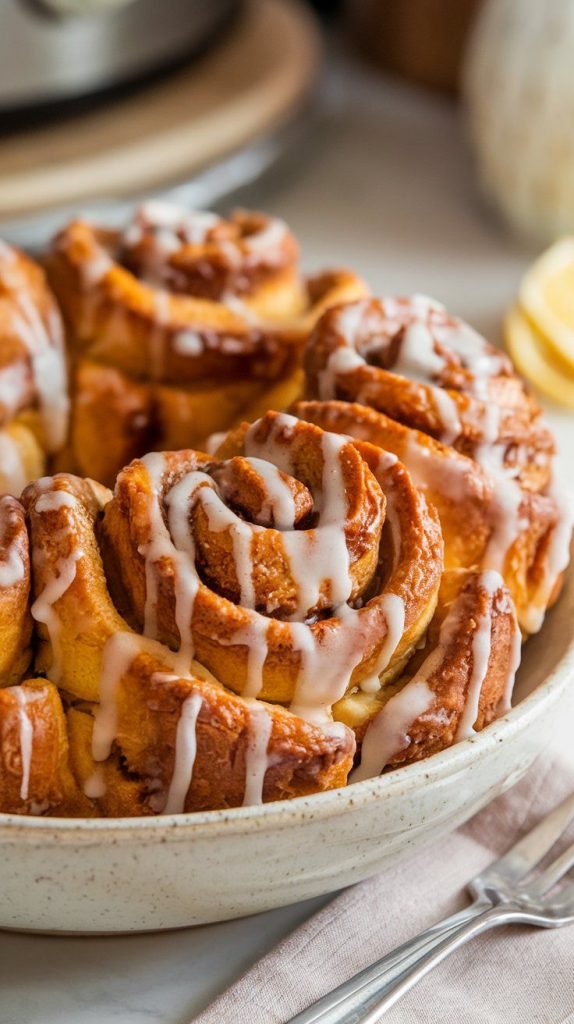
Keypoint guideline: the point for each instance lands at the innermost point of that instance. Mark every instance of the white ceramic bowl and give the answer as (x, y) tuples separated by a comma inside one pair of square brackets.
[(123, 875)]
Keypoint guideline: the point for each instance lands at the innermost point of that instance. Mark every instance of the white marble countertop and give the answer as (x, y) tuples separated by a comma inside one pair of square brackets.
[(386, 185)]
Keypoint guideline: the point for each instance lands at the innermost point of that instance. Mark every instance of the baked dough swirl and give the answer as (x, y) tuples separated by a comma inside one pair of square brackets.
[(33, 385), (292, 566), (424, 385), (180, 326)]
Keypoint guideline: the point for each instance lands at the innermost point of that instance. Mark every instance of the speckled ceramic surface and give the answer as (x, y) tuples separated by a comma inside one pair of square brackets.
[(148, 874)]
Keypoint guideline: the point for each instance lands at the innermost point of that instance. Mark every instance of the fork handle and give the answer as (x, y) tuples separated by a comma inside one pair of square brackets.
[(358, 991), (369, 1012)]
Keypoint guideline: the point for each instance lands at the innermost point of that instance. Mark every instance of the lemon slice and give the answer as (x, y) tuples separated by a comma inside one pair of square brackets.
[(547, 297), (535, 359)]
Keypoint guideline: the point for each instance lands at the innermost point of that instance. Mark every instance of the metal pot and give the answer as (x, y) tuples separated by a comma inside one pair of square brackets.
[(59, 50)]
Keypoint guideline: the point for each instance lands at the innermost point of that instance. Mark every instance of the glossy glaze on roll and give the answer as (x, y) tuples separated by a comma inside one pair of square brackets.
[(428, 373), (180, 325), (33, 380)]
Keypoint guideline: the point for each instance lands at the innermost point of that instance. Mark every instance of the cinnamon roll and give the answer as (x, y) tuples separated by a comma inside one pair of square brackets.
[(150, 729), (33, 386), (180, 326), (292, 565), (424, 385)]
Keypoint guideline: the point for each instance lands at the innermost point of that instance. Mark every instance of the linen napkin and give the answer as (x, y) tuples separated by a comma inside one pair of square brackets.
[(514, 974)]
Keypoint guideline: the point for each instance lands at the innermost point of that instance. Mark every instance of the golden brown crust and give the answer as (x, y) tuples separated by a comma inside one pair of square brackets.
[(206, 256), (184, 329), (15, 618), (410, 548), (456, 684), (460, 490), (33, 394), (35, 777), (302, 759), (365, 353), (408, 369), (26, 307)]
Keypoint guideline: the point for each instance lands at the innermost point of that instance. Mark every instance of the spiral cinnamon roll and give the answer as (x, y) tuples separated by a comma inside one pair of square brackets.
[(33, 386), (180, 326), (426, 386), (150, 730), (291, 565)]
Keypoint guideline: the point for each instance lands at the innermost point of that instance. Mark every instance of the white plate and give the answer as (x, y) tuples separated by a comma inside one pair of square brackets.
[(142, 874)]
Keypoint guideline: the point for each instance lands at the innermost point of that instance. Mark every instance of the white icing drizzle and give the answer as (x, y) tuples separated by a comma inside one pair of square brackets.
[(239, 307), (181, 550), (119, 652), (221, 518), (424, 323), (504, 511), (13, 381), (170, 224), (254, 637), (43, 608), (54, 500), (12, 567), (95, 785), (317, 558), (13, 472), (557, 558), (44, 343), (279, 501), (214, 441), (320, 556), (490, 581), (26, 738), (117, 656), (256, 759), (188, 343), (513, 665), (447, 411), (473, 351), (185, 752), (417, 358), (437, 470), (395, 615), (343, 359), (388, 733), (95, 269), (167, 227), (350, 321), (387, 460), (270, 236)]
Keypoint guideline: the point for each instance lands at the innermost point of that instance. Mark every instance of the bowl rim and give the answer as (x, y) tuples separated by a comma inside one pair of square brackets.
[(283, 814)]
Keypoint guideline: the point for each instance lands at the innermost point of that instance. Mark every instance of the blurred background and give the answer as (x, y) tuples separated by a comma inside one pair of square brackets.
[(425, 143)]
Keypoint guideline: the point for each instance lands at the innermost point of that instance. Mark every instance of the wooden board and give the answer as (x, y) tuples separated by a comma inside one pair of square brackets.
[(252, 82)]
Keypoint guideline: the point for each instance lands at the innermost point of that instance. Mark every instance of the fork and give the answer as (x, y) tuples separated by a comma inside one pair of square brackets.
[(507, 892)]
